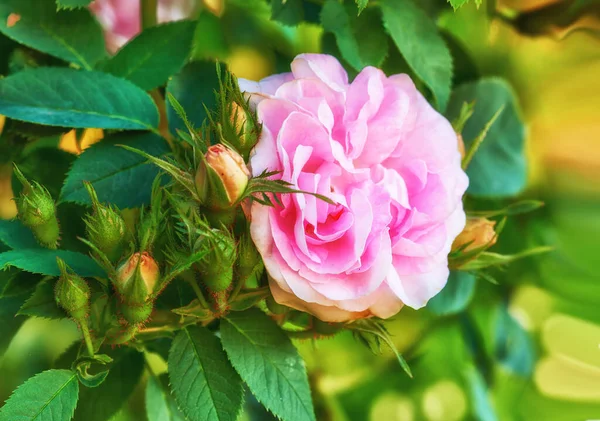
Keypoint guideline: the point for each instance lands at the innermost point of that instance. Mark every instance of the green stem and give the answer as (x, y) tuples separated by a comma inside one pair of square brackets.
[(87, 338), (148, 13), (199, 294)]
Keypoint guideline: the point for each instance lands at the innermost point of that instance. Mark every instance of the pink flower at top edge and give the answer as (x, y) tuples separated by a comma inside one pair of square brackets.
[(121, 18)]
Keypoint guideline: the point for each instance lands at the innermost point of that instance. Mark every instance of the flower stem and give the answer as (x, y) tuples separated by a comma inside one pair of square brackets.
[(87, 338), (148, 13), (199, 294)]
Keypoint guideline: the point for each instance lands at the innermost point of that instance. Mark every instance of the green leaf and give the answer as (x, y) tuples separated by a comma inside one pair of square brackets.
[(153, 56), (288, 12), (102, 402), (513, 346), (159, 403), (72, 4), (43, 261), (42, 303), (100, 372), (20, 283), (362, 4), (361, 40), (269, 363), (48, 396), (210, 39), (498, 169), (482, 407), (455, 296), (16, 235), (71, 35), (205, 385), (419, 42), (66, 97), (120, 177), (9, 324), (194, 87)]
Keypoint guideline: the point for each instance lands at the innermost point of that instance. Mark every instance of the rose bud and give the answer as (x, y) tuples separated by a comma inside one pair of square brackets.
[(105, 228), (243, 132), (478, 232), (72, 293), (137, 279), (137, 314), (216, 268), (36, 209), (221, 178), (248, 257)]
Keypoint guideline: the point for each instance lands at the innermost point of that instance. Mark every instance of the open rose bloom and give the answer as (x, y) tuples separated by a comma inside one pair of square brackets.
[(391, 164)]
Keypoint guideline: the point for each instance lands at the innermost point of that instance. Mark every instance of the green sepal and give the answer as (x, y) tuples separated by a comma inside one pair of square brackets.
[(195, 309)]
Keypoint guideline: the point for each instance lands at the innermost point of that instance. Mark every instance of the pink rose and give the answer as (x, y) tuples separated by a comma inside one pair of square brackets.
[(121, 18), (391, 164)]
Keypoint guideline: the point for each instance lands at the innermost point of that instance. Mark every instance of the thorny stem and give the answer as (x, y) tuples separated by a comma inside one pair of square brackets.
[(87, 338)]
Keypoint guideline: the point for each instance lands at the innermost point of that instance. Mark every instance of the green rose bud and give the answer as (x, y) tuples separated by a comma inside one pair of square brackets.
[(248, 256), (72, 293), (105, 228), (216, 269), (137, 279), (137, 314), (245, 130), (221, 178), (36, 209)]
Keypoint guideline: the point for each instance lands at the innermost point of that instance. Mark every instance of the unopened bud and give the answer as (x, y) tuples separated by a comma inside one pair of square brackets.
[(36, 209), (72, 293), (137, 279), (245, 132), (216, 269), (221, 178), (478, 232), (248, 256), (137, 314), (105, 228)]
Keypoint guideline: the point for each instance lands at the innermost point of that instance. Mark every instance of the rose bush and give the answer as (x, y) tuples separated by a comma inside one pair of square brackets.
[(391, 164)]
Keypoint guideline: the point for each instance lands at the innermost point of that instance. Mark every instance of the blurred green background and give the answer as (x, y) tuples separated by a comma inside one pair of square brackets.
[(525, 349)]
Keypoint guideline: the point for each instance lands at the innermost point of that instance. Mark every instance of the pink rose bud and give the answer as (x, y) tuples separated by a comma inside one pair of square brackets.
[(478, 232), (221, 177), (137, 278), (391, 164)]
